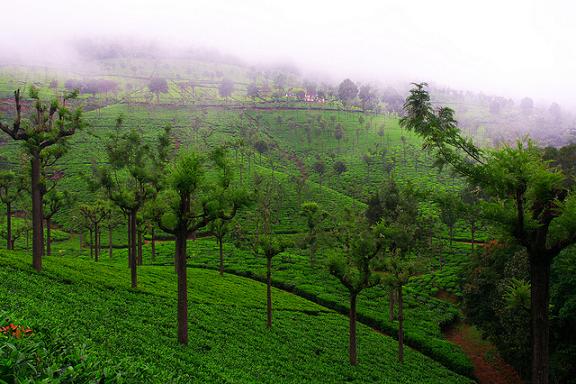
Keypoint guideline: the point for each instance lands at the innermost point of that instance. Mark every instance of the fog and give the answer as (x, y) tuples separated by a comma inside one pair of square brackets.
[(512, 48)]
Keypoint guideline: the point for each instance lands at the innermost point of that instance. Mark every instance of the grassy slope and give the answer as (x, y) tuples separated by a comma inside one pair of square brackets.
[(135, 330), (88, 145)]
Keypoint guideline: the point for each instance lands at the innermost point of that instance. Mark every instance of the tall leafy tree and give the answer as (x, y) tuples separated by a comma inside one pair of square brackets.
[(529, 199), (267, 196), (314, 216), (269, 247), (347, 91), (190, 203), (404, 236), (450, 211), (43, 134), (361, 244), (129, 181)]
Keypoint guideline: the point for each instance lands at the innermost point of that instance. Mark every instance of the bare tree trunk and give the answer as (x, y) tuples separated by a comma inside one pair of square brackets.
[(182, 287), (133, 276), (91, 243), (153, 234), (80, 238), (37, 215), (540, 296), (269, 292), (9, 244), (110, 242), (220, 246), (391, 300), (129, 242), (400, 325), (352, 349), (48, 239), (96, 243), (139, 247)]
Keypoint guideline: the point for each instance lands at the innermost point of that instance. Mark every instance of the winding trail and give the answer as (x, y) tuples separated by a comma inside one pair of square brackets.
[(489, 367)]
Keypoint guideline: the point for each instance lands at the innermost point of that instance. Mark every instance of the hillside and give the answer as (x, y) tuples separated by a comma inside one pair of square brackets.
[(130, 332)]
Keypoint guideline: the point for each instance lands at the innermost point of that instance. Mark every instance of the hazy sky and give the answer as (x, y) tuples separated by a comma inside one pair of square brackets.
[(508, 47)]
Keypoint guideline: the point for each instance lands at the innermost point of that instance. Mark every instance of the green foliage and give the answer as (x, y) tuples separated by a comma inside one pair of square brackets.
[(360, 245), (517, 295)]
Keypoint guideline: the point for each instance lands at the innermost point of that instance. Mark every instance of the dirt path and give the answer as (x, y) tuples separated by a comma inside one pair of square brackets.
[(489, 367)]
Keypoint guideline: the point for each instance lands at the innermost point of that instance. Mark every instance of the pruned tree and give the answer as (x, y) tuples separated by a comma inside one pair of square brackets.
[(339, 133), (157, 86), (11, 188), (226, 87), (53, 202), (405, 236), (129, 181), (320, 168), (45, 132), (269, 246), (261, 147), (314, 217), (450, 207), (267, 197), (112, 220), (354, 268), (93, 214), (191, 203)]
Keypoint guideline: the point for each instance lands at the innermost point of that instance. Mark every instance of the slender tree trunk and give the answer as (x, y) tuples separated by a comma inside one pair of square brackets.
[(473, 235), (181, 244), (81, 239), (139, 247), (391, 300), (110, 242), (400, 325), (37, 215), (221, 248), (540, 296), (91, 243), (9, 244), (133, 276), (96, 243), (269, 292), (129, 242), (153, 234), (352, 349), (48, 239)]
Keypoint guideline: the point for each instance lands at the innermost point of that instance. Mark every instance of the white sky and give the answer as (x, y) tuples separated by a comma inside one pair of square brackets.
[(509, 47)]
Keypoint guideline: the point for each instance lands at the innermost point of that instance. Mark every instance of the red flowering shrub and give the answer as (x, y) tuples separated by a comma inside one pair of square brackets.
[(14, 330)]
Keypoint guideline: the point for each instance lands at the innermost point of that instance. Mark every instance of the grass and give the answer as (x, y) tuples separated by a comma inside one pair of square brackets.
[(133, 331)]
